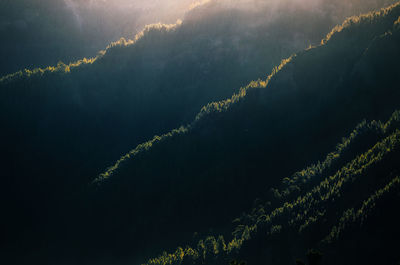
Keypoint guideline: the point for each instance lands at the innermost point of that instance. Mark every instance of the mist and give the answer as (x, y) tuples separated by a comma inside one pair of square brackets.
[(38, 33), (67, 124), (44, 32), (41, 33)]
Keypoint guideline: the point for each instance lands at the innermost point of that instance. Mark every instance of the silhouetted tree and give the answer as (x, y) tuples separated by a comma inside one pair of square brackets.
[(314, 257), (299, 262), (235, 262)]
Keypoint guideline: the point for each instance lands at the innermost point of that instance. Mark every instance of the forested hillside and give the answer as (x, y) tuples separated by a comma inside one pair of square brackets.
[(339, 211), (160, 80), (239, 148), (38, 33), (64, 125)]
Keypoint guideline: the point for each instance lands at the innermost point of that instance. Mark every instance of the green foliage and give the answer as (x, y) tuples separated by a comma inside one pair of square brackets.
[(140, 148), (317, 203), (206, 110), (233, 151), (63, 68), (238, 147), (235, 262), (352, 24), (360, 21), (352, 216), (364, 132)]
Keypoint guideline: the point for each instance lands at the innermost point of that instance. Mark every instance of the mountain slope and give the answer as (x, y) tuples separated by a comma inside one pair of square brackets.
[(137, 89), (175, 70), (62, 125), (342, 213), (41, 33), (239, 148)]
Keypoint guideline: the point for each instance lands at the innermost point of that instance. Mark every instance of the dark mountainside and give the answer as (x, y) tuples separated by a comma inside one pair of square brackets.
[(228, 152), (38, 33), (342, 210), (64, 125), (134, 91)]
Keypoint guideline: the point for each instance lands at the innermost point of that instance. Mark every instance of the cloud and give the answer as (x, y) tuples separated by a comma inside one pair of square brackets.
[(74, 9)]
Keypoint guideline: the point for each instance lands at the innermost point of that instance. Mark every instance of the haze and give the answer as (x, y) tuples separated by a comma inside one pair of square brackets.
[(42, 32)]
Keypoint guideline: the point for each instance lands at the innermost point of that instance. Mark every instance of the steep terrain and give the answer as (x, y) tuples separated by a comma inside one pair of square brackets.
[(92, 111), (39, 33), (344, 206), (64, 124), (203, 174)]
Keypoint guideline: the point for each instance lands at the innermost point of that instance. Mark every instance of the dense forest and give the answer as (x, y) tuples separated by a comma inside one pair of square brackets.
[(226, 184), (38, 33), (341, 206), (43, 32), (227, 151)]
